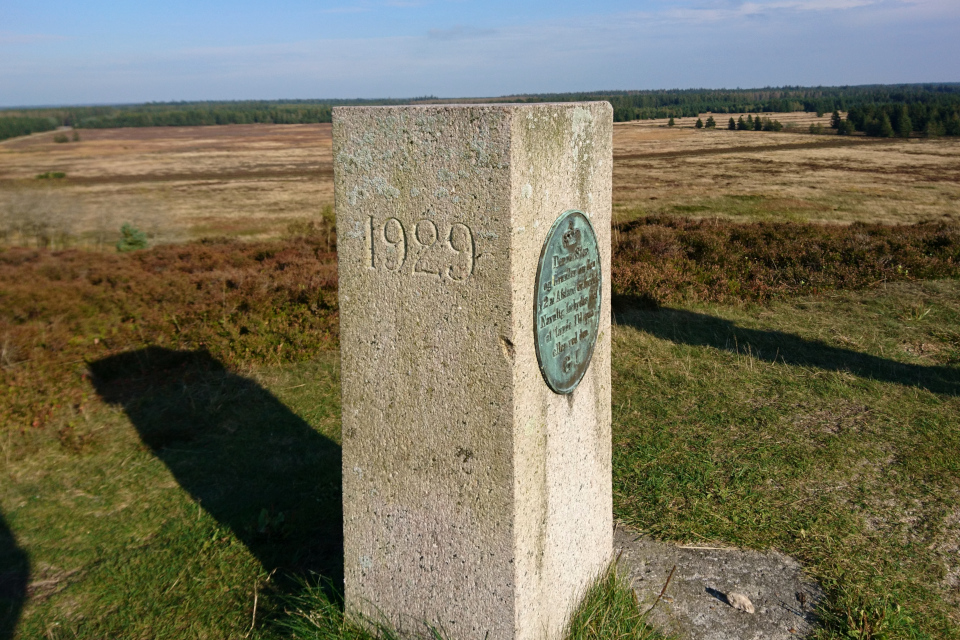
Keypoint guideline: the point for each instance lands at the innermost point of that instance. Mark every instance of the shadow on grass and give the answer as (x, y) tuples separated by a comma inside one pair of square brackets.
[(697, 329), (243, 456), (14, 575)]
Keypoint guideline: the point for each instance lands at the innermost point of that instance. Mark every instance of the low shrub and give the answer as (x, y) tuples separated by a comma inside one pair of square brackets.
[(671, 260), (244, 303), (276, 302), (131, 239)]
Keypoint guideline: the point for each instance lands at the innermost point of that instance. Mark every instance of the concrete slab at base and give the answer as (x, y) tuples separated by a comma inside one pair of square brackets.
[(695, 605), (475, 499)]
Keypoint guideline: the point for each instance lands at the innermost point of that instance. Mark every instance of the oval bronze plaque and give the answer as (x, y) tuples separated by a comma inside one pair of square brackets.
[(566, 314)]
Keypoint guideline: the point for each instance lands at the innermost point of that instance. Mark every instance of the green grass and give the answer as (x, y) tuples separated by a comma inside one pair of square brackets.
[(197, 501), (610, 611), (826, 428), (194, 493)]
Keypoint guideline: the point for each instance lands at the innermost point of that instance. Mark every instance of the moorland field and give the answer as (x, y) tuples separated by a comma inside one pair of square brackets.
[(253, 181), (787, 374)]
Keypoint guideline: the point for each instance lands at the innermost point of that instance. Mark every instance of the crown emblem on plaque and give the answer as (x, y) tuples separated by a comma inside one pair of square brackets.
[(571, 237)]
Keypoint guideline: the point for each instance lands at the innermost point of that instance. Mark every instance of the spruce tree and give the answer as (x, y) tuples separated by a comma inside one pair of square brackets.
[(952, 125), (934, 129), (741, 125), (749, 121), (732, 125), (671, 123), (886, 129), (904, 125), (835, 120), (757, 124), (131, 239), (699, 124), (711, 123)]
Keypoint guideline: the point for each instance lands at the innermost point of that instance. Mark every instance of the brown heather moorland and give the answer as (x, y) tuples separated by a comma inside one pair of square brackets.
[(252, 181), (786, 376)]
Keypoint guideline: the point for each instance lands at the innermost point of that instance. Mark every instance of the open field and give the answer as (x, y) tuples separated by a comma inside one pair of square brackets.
[(747, 175), (822, 426), (177, 182), (252, 181), (784, 386)]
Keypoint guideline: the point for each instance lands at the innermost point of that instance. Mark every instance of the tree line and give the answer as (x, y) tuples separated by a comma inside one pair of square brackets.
[(932, 119), (13, 126), (931, 108), (685, 103)]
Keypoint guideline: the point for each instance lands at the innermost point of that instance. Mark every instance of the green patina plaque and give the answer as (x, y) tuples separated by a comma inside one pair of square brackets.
[(566, 313)]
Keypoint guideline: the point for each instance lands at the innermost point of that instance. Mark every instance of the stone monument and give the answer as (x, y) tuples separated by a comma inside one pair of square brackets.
[(474, 258)]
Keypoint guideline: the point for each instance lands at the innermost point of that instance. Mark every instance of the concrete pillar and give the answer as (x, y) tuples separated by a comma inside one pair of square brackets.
[(476, 484)]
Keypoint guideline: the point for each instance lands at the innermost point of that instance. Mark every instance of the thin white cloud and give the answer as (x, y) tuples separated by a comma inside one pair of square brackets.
[(742, 10)]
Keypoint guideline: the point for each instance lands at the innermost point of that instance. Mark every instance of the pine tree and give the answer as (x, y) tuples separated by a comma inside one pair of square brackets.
[(711, 123), (904, 125), (131, 239), (749, 121), (699, 124), (732, 125), (741, 125), (757, 124), (886, 129), (934, 129), (952, 125), (671, 123), (835, 120)]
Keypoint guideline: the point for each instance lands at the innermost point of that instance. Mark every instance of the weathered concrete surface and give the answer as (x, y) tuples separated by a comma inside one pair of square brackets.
[(694, 606), (475, 499)]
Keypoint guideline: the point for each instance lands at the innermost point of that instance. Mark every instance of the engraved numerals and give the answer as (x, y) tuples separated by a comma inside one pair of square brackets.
[(421, 249)]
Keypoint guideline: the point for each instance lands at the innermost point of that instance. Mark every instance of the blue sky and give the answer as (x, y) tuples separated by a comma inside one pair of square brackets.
[(101, 51)]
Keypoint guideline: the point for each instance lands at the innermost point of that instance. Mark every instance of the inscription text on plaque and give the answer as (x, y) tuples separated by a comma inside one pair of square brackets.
[(567, 308)]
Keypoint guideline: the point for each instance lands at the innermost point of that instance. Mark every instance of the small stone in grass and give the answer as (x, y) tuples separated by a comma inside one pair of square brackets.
[(741, 602)]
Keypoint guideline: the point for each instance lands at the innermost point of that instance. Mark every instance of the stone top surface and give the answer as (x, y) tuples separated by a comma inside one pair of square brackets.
[(476, 105)]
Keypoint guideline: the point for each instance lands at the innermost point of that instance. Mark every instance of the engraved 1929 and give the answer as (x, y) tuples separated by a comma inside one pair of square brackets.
[(423, 248), (566, 314)]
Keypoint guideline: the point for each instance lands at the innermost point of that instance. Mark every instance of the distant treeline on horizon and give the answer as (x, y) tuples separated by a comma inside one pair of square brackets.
[(932, 107)]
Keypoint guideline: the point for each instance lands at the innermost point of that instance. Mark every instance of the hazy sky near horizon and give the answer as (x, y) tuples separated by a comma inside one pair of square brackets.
[(106, 51)]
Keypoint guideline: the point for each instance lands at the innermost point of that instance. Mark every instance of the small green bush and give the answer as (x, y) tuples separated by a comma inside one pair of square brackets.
[(51, 175), (132, 239), (61, 137)]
